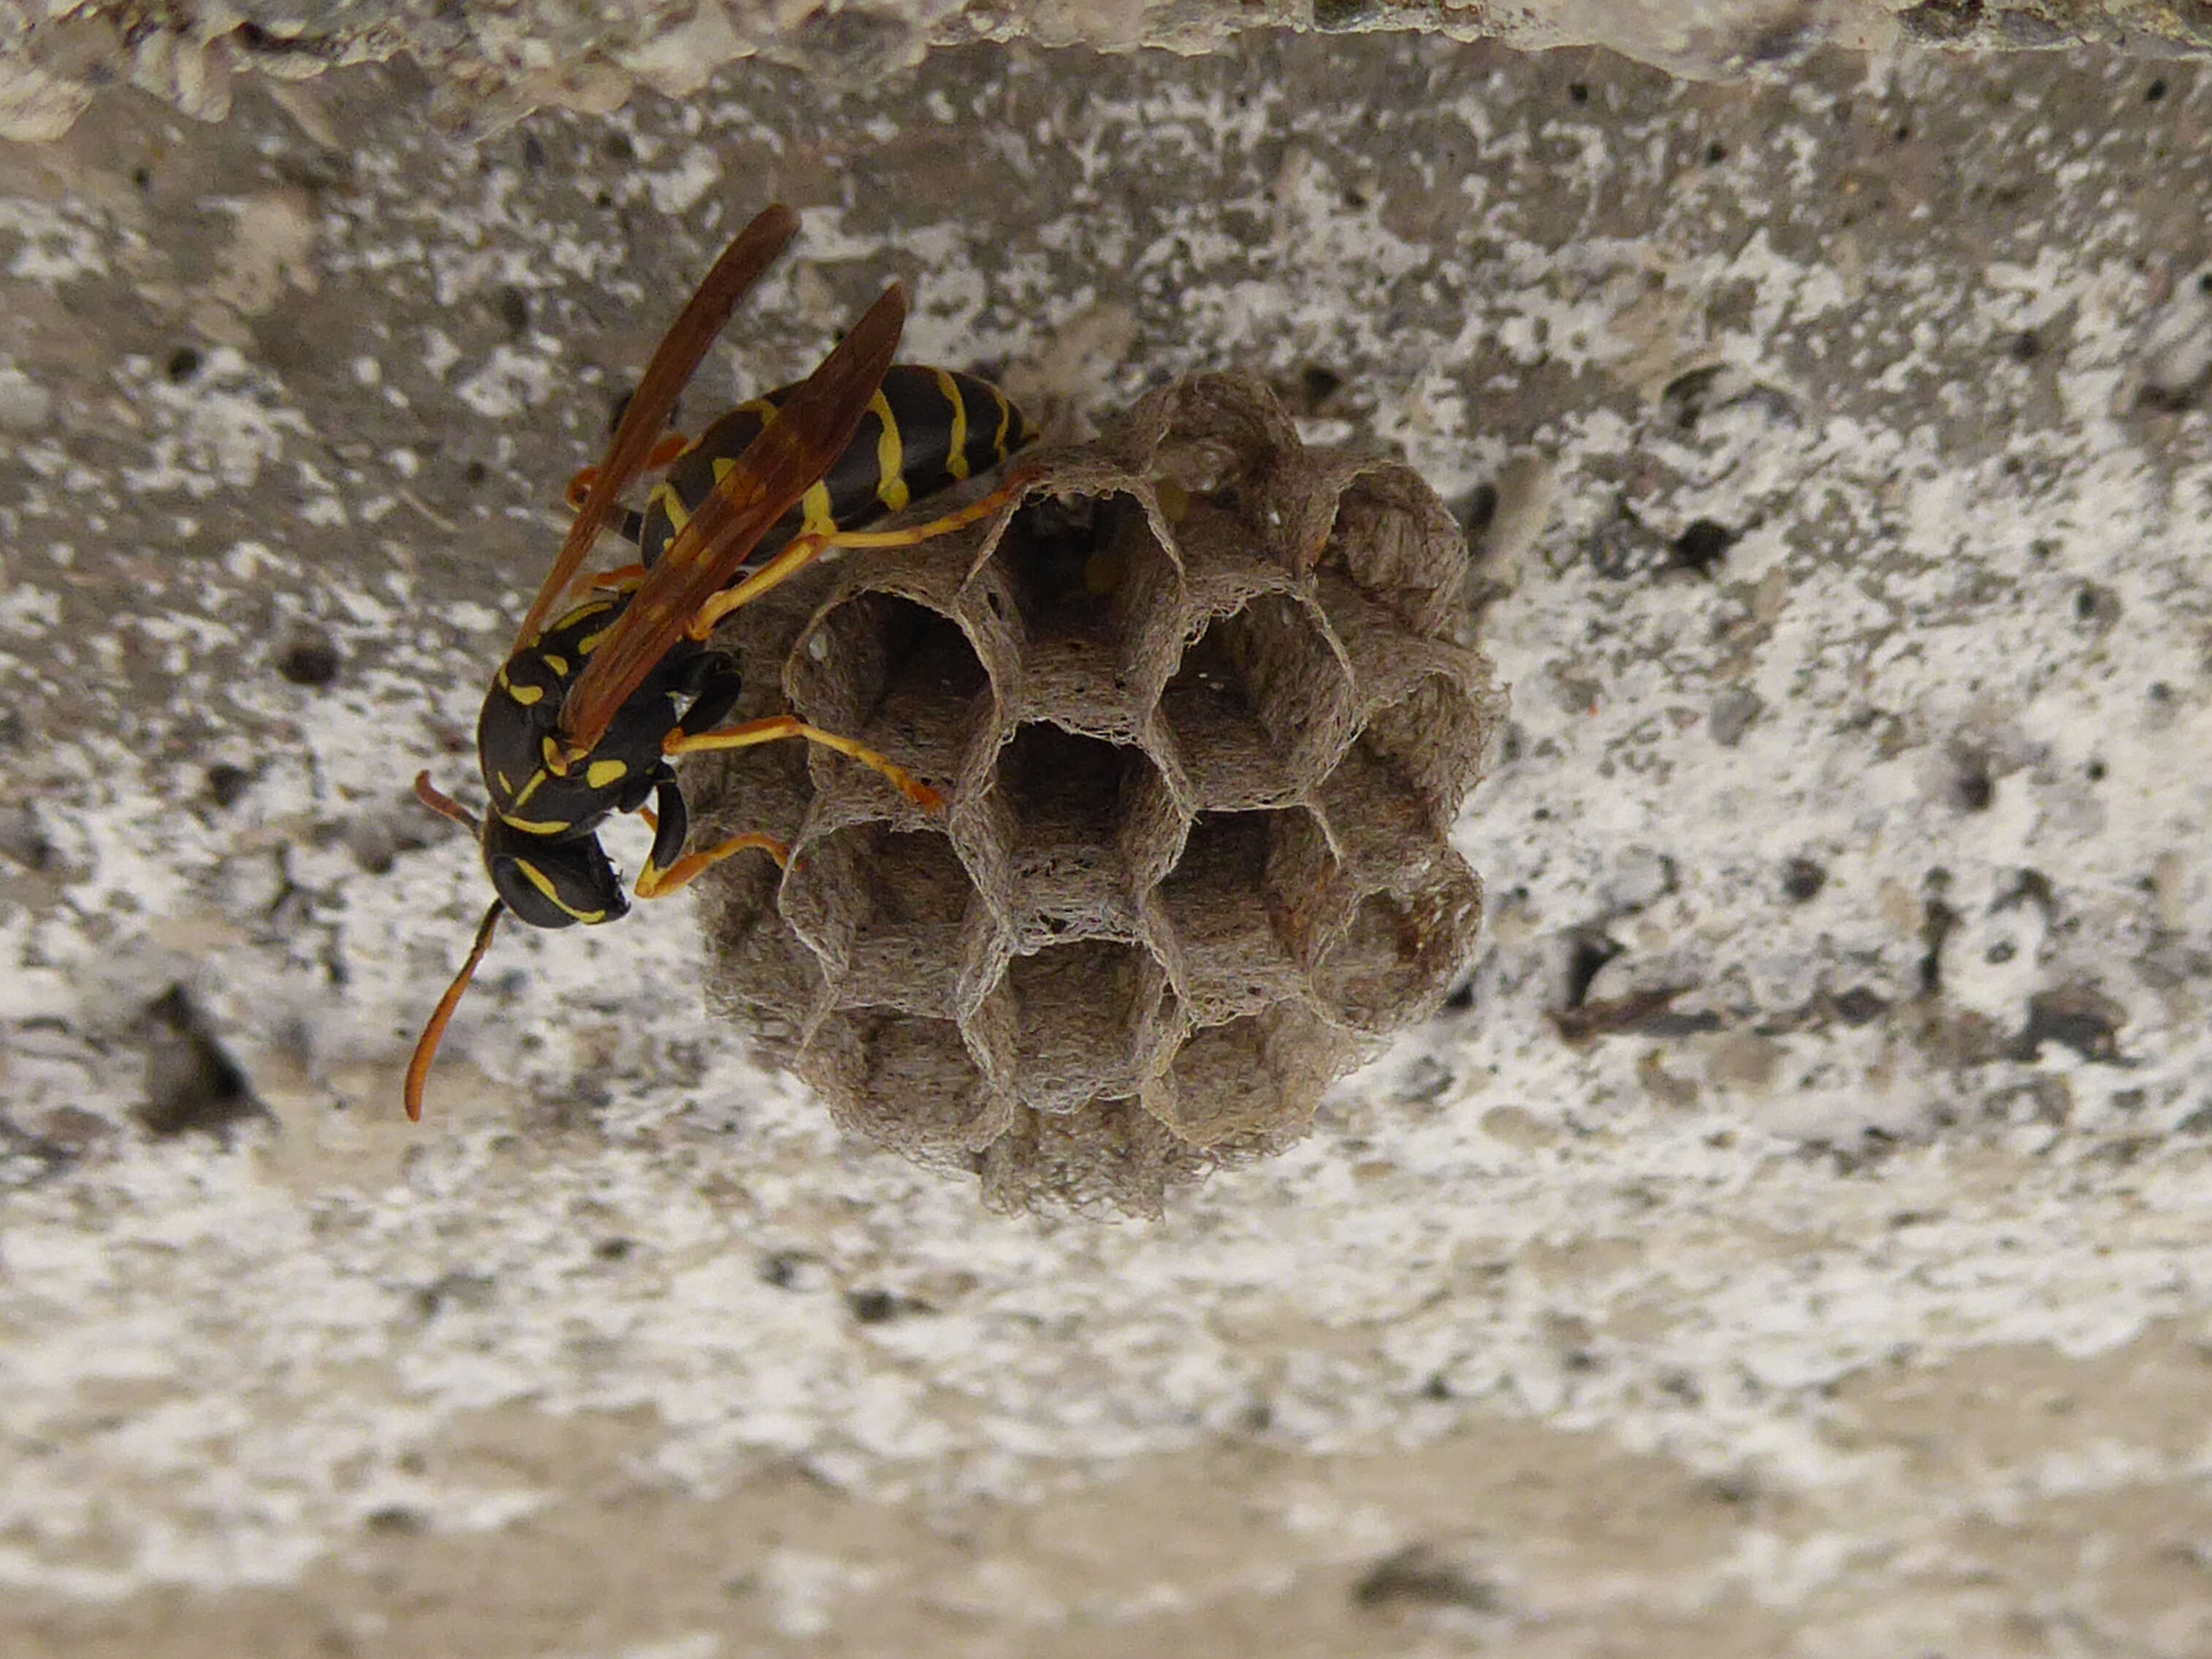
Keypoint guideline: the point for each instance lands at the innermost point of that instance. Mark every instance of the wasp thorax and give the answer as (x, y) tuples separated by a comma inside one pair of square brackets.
[(1206, 712)]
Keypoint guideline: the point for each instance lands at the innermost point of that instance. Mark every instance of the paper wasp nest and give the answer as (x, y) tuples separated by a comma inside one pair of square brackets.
[(1202, 723)]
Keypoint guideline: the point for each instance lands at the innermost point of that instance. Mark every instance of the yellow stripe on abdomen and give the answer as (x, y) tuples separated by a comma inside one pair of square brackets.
[(890, 456), (956, 459)]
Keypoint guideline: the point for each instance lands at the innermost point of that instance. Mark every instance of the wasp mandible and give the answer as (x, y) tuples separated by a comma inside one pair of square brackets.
[(590, 707)]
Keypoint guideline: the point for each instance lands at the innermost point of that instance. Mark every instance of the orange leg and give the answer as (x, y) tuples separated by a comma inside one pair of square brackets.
[(799, 552), (810, 545), (653, 883), (981, 507), (663, 454), (790, 725)]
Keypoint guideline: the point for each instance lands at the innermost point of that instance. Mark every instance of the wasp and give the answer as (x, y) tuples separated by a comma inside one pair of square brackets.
[(592, 707)]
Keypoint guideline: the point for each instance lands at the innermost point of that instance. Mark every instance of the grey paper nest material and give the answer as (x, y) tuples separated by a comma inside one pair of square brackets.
[(1203, 720)]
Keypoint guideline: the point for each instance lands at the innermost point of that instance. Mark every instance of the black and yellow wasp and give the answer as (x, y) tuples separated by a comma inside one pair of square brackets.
[(591, 706)]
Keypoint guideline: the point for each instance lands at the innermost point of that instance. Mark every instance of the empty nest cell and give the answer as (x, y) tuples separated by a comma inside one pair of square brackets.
[(1084, 1022), (904, 1081), (1391, 799), (1258, 704), (1092, 598), (895, 674), (1225, 450), (1399, 545), (1241, 908), (1083, 566), (889, 911), (1260, 1073), (1107, 1153), (1396, 959), (1078, 818), (1215, 452), (761, 974)]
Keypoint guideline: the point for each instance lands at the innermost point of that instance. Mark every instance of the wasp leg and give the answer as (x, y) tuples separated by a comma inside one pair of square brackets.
[(981, 507), (798, 553), (790, 725), (622, 579), (803, 550), (689, 868), (668, 867)]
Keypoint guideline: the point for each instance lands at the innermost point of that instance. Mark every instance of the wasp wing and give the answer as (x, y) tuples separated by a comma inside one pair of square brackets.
[(674, 362), (781, 464)]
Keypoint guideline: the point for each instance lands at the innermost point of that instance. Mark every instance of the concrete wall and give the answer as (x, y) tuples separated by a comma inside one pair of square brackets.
[(1797, 1243)]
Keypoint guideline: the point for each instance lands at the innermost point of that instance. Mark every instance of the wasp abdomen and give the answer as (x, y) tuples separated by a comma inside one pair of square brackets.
[(926, 429)]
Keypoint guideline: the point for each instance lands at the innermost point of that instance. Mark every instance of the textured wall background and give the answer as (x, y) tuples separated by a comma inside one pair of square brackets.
[(484, 63), (1797, 1242)]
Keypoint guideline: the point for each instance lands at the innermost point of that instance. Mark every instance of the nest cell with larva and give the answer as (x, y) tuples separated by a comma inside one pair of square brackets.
[(1203, 712)]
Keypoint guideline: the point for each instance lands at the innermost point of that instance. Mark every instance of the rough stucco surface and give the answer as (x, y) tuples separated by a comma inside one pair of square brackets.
[(1796, 1243), (491, 61)]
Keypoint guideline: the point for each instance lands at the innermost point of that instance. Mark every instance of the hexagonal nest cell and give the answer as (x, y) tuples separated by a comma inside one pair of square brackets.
[(1203, 710)]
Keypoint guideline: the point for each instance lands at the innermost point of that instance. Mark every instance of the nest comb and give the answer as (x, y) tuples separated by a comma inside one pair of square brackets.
[(1202, 716)]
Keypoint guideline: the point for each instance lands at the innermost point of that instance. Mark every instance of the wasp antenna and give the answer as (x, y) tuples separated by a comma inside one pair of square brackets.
[(426, 1050), (444, 805)]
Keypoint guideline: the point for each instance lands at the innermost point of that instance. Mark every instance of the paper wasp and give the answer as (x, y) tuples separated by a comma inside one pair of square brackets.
[(585, 716)]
